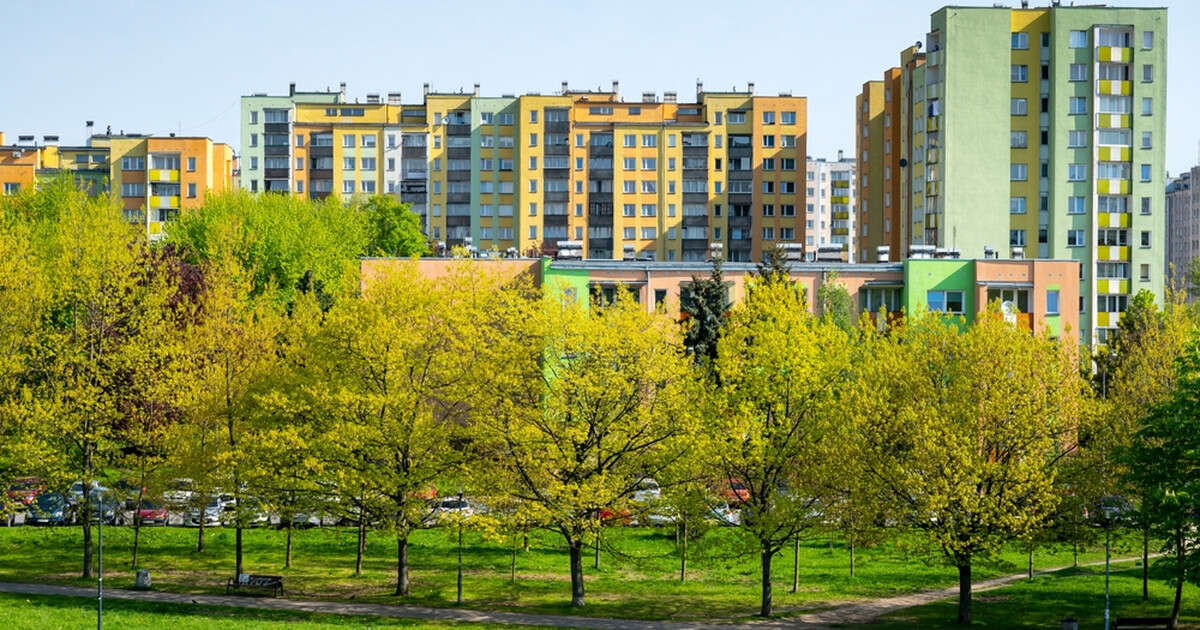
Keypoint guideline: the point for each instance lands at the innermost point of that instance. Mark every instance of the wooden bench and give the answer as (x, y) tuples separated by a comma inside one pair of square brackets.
[(272, 583), (1143, 623)]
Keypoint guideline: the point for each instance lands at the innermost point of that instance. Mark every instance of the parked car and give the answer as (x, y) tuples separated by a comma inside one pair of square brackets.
[(736, 492), (213, 514), (23, 491), (725, 514), (647, 491), (75, 493), (453, 507), (151, 513), (50, 508), (616, 516), (179, 493)]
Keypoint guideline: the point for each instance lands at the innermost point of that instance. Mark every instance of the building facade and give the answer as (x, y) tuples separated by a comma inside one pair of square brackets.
[(1183, 226), (1026, 132), (155, 176), (829, 208), (651, 178), (1035, 289)]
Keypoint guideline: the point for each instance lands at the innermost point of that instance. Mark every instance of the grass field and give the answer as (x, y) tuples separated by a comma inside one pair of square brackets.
[(638, 577), (31, 612), (1044, 601)]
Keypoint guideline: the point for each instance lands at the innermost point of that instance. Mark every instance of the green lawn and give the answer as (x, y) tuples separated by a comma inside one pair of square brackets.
[(1044, 601), (33, 612), (638, 577)]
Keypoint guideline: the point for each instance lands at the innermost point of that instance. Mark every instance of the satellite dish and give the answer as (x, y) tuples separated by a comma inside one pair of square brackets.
[(1009, 310), (903, 162)]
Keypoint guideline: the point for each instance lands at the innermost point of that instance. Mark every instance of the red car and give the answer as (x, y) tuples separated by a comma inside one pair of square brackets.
[(25, 490), (152, 514), (736, 492), (610, 516)]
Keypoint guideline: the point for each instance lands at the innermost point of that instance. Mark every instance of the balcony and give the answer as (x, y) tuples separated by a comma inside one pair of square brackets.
[(931, 189), (932, 156), (163, 175), (1114, 54), (1115, 154), (1113, 121), (841, 183), (841, 214), (840, 231), (1112, 286), (1112, 252), (1108, 320), (1112, 219), (932, 123), (164, 202), (1113, 186), (1118, 88), (839, 200)]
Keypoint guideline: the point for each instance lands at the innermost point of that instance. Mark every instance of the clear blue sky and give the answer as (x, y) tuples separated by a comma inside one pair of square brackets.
[(156, 67)]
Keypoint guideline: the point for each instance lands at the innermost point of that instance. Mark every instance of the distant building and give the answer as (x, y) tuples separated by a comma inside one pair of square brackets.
[(1031, 132), (1183, 225), (829, 208), (155, 176)]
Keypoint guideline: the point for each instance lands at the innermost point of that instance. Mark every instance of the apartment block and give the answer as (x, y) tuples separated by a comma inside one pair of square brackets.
[(646, 178), (155, 176), (829, 209), (1035, 290), (1183, 226), (1025, 133)]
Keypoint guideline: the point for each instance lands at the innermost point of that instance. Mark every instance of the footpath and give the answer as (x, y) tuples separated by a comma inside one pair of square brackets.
[(847, 614)]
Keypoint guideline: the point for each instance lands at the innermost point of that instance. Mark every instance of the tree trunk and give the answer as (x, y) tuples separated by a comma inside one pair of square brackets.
[(512, 566), (137, 518), (596, 563), (765, 561), (1180, 558), (964, 590), (402, 585), (1031, 563), (237, 544), (1075, 552), (362, 544), (575, 546), (682, 536), (200, 534), (795, 564), (287, 556), (1145, 564), (852, 555), (87, 537), (525, 545)]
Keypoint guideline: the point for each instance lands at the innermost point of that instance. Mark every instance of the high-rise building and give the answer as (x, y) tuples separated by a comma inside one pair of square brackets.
[(1025, 132), (1183, 226), (829, 208), (650, 178), (156, 176)]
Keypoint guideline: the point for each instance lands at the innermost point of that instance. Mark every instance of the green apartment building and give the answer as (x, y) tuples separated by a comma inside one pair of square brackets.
[(1032, 132)]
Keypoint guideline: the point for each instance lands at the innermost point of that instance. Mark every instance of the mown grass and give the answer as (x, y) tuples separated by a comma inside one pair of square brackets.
[(43, 612), (638, 575), (1045, 601)]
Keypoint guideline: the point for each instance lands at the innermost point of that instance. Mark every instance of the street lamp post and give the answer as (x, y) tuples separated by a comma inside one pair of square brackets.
[(1110, 510), (99, 559), (460, 533)]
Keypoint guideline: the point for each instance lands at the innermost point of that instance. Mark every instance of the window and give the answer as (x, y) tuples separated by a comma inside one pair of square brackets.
[(1145, 205), (787, 141), (601, 110), (191, 165), (1076, 205), (504, 119), (134, 163), (1147, 139), (1147, 106), (787, 164), (348, 141), (1075, 238), (532, 209), (300, 185), (1147, 40), (1112, 237), (629, 187), (737, 118), (533, 139), (1016, 238), (533, 185), (629, 163), (649, 164), (1018, 172), (253, 139), (253, 163), (1077, 39), (945, 301), (768, 118), (630, 140), (787, 118), (1077, 138), (368, 140), (768, 210), (649, 140), (1016, 205), (1145, 238), (1114, 270), (1145, 172), (1019, 73), (299, 164), (629, 233), (533, 163), (533, 115), (1147, 73), (1079, 72), (368, 164), (768, 234), (253, 117), (533, 231), (191, 191), (1020, 41), (348, 164), (1077, 105), (1018, 139), (768, 141), (1019, 107), (127, 190), (1052, 301), (716, 141), (1144, 272), (649, 210), (1076, 172), (1111, 303), (1111, 104), (649, 186), (348, 186), (768, 188), (649, 233)]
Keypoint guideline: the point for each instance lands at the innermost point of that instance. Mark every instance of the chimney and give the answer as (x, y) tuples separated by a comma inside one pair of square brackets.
[(840, 154), (425, 88), (614, 89), (476, 90), (292, 89), (25, 140), (564, 87), (750, 87), (393, 98), (699, 88), (49, 140)]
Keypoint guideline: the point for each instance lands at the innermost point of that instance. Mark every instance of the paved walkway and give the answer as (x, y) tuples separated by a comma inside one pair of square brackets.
[(856, 613)]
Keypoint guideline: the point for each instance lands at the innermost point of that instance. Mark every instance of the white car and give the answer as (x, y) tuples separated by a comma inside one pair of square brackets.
[(724, 514), (453, 506), (647, 491), (179, 493)]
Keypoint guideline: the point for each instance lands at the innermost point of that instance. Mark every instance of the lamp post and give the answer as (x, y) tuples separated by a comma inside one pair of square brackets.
[(1110, 510), (99, 559), (460, 532)]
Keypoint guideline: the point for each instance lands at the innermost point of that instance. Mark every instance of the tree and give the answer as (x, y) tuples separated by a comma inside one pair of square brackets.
[(777, 415), (774, 265), (964, 427), (395, 229), (835, 303), (705, 305), (585, 405), (1162, 463), (396, 390)]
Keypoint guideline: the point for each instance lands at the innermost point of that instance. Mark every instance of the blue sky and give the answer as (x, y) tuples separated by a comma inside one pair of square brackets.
[(157, 67)]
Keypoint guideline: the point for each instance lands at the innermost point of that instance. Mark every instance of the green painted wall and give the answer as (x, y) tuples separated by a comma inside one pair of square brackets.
[(480, 105), (946, 274), (258, 103), (976, 93), (556, 280)]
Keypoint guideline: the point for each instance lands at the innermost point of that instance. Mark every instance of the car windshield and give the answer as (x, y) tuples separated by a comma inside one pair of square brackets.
[(149, 505), (453, 504), (49, 501)]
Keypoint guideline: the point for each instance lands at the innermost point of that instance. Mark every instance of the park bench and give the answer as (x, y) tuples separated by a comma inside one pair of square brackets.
[(273, 583), (1143, 623)]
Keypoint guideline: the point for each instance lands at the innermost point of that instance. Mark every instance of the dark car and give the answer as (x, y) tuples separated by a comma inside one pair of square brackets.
[(50, 508)]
